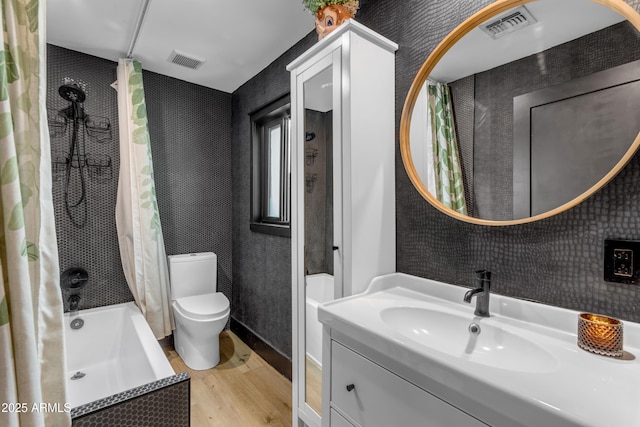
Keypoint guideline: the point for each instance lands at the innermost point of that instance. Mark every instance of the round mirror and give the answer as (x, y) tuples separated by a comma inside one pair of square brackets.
[(525, 110)]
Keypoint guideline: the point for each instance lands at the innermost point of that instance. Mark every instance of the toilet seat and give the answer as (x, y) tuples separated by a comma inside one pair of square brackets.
[(203, 307)]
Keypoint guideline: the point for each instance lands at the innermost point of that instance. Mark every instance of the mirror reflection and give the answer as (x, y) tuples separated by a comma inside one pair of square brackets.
[(318, 223), (528, 110)]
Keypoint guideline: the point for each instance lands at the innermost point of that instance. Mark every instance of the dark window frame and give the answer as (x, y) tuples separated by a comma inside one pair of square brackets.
[(274, 114)]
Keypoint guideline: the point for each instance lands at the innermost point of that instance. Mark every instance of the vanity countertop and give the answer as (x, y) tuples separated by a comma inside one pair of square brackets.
[(523, 368)]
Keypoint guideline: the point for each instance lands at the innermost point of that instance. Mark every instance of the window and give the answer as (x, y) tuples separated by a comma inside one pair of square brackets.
[(271, 168)]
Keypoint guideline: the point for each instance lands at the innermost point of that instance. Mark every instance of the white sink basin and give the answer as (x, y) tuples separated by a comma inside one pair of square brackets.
[(524, 368), (449, 332)]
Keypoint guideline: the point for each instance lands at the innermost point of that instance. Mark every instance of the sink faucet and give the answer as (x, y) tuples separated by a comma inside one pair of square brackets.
[(74, 301), (483, 285)]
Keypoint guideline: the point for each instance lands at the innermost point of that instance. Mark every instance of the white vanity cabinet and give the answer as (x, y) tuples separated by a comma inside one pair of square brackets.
[(345, 81), (406, 350), (366, 394)]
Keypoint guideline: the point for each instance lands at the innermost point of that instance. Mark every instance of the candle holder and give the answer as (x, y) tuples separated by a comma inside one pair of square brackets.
[(600, 334)]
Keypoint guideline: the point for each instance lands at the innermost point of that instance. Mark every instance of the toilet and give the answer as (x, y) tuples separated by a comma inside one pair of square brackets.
[(200, 312)]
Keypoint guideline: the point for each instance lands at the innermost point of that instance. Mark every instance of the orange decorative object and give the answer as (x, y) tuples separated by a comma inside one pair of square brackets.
[(329, 17), (600, 334)]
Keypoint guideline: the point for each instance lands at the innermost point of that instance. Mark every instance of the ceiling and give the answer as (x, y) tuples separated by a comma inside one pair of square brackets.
[(237, 38), (556, 24)]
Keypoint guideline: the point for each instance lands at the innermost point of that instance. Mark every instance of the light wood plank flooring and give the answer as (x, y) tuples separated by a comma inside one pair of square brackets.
[(314, 385), (242, 390)]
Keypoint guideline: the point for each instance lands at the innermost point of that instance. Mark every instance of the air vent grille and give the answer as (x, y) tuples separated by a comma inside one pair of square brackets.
[(185, 60), (513, 21)]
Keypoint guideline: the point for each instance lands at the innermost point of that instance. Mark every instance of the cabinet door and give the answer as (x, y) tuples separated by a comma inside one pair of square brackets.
[(341, 91), (316, 219), (371, 396)]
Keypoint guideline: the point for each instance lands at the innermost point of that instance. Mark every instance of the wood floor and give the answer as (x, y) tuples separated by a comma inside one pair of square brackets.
[(243, 390), (314, 385)]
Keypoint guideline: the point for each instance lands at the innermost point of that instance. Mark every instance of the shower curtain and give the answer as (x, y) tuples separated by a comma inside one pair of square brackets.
[(137, 219), (32, 368), (448, 173)]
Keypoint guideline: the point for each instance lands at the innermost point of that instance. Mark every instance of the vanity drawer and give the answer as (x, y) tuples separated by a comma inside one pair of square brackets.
[(338, 421), (381, 398)]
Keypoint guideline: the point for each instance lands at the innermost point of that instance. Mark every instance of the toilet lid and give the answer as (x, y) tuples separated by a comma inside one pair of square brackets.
[(203, 306)]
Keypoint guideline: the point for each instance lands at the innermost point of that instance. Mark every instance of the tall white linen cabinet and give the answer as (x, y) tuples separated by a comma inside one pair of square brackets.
[(342, 189)]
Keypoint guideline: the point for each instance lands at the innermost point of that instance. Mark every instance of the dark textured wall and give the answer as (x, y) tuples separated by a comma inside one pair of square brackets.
[(557, 261), (318, 204), (494, 93), (190, 129), (93, 247), (464, 109), (261, 262)]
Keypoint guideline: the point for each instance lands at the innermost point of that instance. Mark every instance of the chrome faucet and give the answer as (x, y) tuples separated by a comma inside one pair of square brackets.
[(482, 292), (74, 302)]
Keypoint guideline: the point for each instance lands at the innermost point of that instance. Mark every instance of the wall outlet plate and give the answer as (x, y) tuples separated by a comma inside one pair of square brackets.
[(622, 261)]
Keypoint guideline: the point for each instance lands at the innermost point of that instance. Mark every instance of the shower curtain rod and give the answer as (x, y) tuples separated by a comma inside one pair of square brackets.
[(136, 33)]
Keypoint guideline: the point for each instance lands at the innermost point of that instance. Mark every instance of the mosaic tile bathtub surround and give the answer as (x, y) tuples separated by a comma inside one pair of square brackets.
[(162, 403)]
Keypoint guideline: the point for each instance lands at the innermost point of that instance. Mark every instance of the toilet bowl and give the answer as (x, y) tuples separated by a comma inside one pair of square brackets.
[(199, 321), (200, 312)]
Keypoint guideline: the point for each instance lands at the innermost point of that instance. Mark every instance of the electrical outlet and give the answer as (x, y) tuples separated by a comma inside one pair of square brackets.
[(623, 262), (621, 259)]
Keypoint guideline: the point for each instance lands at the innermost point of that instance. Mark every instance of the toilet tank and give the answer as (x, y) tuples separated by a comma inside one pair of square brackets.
[(192, 274)]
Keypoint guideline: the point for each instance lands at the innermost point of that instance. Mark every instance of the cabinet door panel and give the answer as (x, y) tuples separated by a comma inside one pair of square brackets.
[(372, 396)]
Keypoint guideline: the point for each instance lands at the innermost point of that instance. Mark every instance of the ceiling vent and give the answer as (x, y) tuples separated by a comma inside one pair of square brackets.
[(516, 19), (186, 60)]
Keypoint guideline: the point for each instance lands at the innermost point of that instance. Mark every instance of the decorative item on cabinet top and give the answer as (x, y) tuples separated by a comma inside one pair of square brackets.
[(331, 13)]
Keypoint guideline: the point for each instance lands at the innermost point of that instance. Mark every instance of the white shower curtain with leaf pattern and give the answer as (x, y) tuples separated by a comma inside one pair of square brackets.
[(140, 237), (32, 364), (446, 158)]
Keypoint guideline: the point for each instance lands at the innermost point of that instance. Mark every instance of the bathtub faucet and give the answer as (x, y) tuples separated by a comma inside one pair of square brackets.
[(74, 301), (77, 280)]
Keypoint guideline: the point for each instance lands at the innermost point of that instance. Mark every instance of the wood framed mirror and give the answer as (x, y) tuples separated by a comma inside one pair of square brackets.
[(531, 107)]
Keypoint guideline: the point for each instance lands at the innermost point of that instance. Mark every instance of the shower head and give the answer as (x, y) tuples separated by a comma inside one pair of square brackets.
[(72, 92), (309, 136)]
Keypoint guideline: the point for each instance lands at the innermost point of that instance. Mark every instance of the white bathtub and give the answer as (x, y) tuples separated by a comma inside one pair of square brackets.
[(319, 289), (116, 351)]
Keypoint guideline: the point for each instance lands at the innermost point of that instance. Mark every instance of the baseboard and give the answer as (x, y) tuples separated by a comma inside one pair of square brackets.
[(272, 356), (166, 341)]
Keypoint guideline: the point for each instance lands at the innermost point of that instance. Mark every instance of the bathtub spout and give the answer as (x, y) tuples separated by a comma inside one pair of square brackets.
[(74, 302)]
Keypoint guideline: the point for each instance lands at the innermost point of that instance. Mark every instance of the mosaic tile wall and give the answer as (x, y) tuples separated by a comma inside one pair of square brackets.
[(556, 261), (93, 247), (190, 129)]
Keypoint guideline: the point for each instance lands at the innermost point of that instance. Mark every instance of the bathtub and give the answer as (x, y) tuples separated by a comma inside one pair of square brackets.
[(319, 289), (114, 349)]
